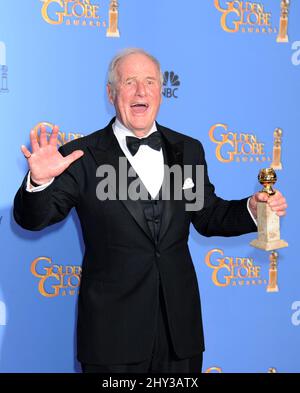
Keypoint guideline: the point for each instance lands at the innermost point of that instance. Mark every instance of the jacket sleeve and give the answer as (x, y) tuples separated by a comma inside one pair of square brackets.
[(220, 217), (37, 210)]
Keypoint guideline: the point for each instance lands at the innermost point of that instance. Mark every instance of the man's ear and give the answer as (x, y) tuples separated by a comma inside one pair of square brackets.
[(110, 93)]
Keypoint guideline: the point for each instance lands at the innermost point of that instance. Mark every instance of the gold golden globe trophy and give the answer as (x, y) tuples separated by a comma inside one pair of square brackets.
[(284, 20), (113, 30), (272, 285), (267, 220), (268, 227), (276, 163)]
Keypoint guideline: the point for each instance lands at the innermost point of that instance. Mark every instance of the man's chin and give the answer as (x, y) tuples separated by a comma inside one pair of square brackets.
[(141, 127)]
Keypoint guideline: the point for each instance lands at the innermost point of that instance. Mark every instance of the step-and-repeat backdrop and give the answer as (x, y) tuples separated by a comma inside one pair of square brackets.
[(231, 78)]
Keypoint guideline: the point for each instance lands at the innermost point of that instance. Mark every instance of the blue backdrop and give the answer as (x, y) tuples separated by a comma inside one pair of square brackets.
[(53, 68)]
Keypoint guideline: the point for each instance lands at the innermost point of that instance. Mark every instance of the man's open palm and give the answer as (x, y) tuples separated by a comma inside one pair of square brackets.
[(45, 161)]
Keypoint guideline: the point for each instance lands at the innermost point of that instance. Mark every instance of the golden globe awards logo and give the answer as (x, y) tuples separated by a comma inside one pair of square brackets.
[(244, 16), (81, 13), (234, 271), (62, 138), (55, 280), (236, 146)]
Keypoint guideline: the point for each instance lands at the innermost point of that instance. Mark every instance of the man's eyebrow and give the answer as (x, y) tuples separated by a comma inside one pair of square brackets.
[(147, 77)]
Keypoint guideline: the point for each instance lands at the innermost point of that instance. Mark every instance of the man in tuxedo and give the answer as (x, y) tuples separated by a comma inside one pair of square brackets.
[(139, 307)]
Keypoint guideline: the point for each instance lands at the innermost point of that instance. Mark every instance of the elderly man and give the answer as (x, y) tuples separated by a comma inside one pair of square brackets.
[(139, 307)]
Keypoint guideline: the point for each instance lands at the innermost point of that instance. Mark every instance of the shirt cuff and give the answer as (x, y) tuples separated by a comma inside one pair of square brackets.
[(31, 188), (249, 210)]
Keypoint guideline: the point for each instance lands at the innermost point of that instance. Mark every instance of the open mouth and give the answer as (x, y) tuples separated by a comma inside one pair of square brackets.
[(139, 107)]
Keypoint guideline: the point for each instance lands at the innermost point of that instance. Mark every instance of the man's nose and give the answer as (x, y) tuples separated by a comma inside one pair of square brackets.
[(140, 89)]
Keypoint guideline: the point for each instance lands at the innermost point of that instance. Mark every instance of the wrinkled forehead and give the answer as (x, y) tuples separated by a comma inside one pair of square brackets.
[(136, 65)]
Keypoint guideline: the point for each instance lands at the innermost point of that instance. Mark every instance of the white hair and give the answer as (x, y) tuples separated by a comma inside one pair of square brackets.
[(112, 74)]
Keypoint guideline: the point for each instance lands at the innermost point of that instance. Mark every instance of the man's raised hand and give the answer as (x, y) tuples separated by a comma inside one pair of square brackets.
[(45, 161)]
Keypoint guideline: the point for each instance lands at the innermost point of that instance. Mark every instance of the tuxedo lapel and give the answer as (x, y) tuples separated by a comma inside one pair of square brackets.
[(173, 153), (107, 151)]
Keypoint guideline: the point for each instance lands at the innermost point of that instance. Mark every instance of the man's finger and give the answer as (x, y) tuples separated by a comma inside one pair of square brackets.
[(281, 213), (273, 200), (279, 207), (262, 197), (73, 157), (25, 151), (275, 197), (33, 141), (53, 136), (280, 201), (43, 136)]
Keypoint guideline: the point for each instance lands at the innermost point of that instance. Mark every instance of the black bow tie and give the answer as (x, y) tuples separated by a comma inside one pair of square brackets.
[(153, 140)]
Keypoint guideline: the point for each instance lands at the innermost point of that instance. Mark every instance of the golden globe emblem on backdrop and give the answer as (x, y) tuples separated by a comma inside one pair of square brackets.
[(63, 137), (272, 285), (276, 163), (113, 30), (268, 225), (284, 20)]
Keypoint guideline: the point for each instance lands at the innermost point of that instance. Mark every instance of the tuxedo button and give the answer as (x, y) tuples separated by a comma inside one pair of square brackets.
[(157, 253)]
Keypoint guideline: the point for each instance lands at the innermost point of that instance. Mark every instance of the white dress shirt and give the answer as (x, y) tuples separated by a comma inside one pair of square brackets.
[(31, 188), (147, 162)]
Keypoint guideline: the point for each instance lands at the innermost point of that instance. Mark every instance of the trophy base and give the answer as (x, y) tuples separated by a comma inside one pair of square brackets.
[(273, 289), (282, 40), (269, 246), (276, 166), (115, 34)]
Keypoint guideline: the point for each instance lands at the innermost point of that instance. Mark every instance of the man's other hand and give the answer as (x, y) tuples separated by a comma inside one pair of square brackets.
[(277, 202)]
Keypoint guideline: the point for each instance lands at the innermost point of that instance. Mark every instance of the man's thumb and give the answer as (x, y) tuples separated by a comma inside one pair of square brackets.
[(262, 197), (73, 157)]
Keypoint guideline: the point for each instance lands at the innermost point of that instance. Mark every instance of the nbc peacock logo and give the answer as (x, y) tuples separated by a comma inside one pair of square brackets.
[(171, 83)]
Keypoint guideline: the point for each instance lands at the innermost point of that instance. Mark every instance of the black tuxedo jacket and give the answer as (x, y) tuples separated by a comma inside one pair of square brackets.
[(122, 266)]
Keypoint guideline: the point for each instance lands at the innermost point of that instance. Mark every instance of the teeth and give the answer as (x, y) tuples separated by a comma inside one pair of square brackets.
[(146, 105)]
